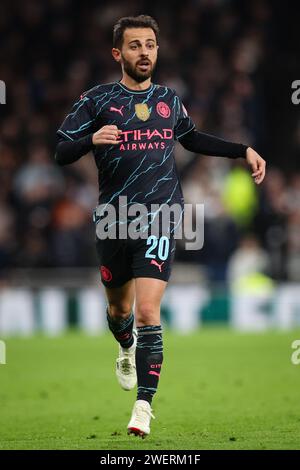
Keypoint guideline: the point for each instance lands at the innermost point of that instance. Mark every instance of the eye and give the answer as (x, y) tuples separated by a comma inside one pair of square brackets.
[(151, 46), (133, 47)]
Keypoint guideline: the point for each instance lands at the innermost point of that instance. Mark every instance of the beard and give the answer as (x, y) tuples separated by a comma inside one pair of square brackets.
[(135, 72)]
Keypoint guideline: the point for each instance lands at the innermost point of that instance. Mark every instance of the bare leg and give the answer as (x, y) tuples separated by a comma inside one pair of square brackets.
[(149, 293), (120, 300)]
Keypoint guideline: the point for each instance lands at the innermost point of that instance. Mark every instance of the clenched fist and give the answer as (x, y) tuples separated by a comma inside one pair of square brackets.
[(107, 135)]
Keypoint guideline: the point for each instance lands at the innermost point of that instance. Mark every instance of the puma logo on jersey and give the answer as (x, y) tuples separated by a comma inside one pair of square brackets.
[(117, 110), (157, 264)]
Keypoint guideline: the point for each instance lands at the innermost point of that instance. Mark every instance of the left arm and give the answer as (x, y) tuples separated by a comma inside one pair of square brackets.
[(199, 142), (207, 144)]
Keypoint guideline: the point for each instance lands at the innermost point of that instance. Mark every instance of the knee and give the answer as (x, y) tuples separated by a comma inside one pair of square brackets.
[(119, 310), (147, 314)]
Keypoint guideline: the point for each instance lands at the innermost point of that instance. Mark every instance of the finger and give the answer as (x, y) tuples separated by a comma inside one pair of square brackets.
[(263, 174), (108, 131), (262, 170), (257, 179), (109, 135), (254, 166), (260, 178), (258, 173), (110, 126), (108, 142)]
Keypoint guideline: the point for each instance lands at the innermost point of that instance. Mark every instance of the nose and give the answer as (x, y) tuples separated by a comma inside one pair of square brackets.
[(144, 51)]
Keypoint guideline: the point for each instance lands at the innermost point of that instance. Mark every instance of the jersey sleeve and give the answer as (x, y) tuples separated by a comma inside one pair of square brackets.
[(81, 120), (184, 122)]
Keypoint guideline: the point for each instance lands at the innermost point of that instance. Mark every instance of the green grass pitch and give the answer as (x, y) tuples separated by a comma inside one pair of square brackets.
[(218, 390)]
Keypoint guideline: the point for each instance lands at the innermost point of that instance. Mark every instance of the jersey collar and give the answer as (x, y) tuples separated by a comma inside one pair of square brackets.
[(134, 92)]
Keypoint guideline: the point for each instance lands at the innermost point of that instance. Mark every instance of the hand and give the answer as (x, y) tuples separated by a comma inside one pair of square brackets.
[(107, 135), (258, 165)]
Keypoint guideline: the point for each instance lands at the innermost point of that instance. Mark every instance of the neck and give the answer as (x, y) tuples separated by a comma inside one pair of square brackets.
[(133, 85)]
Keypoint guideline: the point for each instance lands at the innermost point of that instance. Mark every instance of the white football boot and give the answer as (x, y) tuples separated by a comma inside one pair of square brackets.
[(125, 365), (139, 423)]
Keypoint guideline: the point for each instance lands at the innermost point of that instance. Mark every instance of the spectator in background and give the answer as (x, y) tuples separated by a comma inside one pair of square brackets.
[(249, 258)]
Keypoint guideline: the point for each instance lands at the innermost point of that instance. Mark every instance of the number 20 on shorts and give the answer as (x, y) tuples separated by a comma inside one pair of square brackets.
[(163, 244)]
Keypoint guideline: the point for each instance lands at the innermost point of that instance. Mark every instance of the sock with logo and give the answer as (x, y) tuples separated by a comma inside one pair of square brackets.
[(149, 358), (122, 329)]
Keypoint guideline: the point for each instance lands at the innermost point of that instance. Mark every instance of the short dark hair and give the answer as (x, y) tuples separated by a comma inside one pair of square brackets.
[(141, 21)]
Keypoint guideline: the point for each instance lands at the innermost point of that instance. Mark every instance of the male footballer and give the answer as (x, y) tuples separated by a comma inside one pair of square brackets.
[(131, 127)]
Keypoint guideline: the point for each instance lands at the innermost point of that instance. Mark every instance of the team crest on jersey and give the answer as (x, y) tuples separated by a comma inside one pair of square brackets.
[(142, 111), (163, 109)]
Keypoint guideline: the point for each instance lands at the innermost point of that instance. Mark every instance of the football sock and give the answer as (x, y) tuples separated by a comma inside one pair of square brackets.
[(121, 329), (149, 358)]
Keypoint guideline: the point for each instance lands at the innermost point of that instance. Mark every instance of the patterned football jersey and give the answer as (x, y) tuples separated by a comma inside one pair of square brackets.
[(142, 166)]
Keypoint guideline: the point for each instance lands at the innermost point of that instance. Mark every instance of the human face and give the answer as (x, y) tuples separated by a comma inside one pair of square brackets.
[(138, 54)]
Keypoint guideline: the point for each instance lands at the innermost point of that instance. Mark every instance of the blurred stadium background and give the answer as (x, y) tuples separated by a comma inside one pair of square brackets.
[(232, 62)]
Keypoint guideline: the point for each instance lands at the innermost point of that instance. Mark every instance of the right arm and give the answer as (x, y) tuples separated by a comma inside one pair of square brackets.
[(69, 151), (77, 134)]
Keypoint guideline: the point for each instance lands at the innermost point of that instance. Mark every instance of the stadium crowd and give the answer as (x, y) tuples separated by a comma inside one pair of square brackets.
[(214, 53)]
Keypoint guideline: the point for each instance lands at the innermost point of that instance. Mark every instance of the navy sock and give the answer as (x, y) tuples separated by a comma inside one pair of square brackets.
[(149, 358), (122, 329)]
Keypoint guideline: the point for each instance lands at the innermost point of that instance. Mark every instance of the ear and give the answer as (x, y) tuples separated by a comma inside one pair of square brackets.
[(116, 53)]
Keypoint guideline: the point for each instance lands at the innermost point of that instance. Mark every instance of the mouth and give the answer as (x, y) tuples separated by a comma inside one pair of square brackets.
[(144, 65)]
